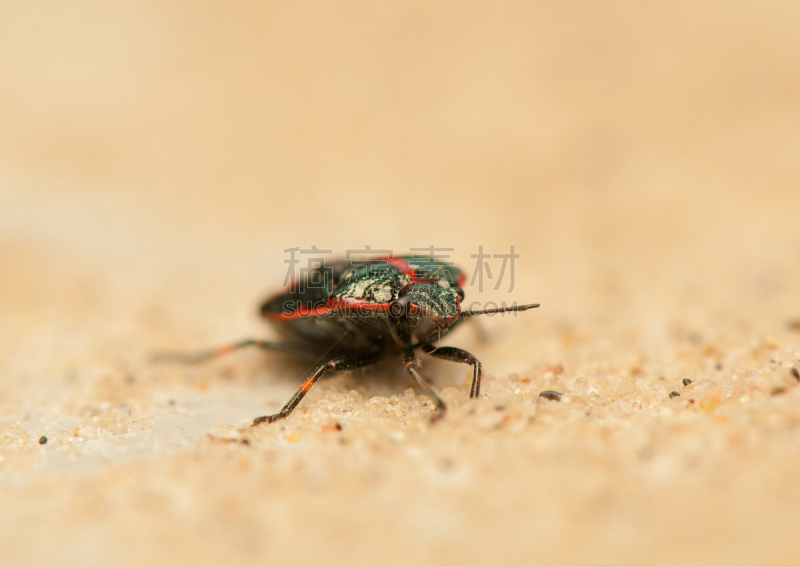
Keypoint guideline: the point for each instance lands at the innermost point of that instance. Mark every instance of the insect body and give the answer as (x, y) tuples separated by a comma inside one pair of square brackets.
[(354, 313)]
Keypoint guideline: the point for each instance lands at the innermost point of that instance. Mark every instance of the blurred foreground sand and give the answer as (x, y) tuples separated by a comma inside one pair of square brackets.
[(641, 158)]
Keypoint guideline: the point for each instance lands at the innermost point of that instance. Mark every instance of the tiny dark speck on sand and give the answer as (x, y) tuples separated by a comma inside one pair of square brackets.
[(42, 440), (673, 394), (551, 395), (795, 373), (686, 381)]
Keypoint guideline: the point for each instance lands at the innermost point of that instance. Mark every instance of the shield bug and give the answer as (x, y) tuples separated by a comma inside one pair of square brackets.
[(351, 314)]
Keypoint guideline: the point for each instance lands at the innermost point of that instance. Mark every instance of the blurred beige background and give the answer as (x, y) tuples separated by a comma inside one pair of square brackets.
[(642, 158)]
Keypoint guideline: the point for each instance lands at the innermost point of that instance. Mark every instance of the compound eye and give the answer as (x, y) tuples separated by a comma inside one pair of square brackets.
[(399, 308), (460, 293)]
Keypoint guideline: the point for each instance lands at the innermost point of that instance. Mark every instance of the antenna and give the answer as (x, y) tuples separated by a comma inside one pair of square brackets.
[(472, 313)]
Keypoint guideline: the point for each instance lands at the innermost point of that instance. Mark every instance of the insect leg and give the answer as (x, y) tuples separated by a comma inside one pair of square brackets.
[(335, 365), (454, 354), (225, 349), (410, 362)]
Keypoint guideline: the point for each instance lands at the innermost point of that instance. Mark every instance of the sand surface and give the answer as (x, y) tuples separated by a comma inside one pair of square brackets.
[(642, 158)]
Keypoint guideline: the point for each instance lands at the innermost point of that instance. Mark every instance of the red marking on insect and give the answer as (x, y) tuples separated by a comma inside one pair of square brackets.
[(401, 264), (299, 314)]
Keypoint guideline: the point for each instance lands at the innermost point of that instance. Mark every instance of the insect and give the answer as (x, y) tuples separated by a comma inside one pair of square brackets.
[(352, 313)]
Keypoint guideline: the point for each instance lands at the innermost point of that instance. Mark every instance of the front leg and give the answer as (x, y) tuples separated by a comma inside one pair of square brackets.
[(335, 365), (411, 362), (454, 354)]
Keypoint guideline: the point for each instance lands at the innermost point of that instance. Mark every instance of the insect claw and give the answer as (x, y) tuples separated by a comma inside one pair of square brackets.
[(437, 415), (267, 419)]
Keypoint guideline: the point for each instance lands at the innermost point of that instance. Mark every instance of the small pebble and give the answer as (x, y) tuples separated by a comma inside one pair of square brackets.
[(686, 381), (42, 440), (795, 373), (581, 387), (673, 394), (627, 387), (709, 404), (330, 428), (551, 395)]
